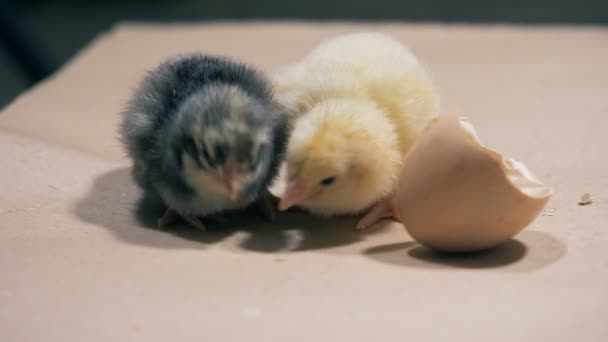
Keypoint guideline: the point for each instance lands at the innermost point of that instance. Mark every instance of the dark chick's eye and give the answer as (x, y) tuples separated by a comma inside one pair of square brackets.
[(220, 153), (328, 181), (205, 154)]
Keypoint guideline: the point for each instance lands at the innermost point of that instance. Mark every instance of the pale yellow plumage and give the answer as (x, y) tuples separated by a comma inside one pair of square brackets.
[(358, 102)]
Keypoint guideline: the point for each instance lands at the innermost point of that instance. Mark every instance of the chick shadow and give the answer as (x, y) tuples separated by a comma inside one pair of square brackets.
[(530, 250), (116, 204)]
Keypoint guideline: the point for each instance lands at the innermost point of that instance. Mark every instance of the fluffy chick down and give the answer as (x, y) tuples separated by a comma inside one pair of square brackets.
[(358, 102), (205, 135)]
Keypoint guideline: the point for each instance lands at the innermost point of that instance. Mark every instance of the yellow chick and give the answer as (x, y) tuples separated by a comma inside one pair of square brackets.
[(358, 102)]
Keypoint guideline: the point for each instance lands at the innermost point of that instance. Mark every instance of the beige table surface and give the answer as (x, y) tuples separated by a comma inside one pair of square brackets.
[(77, 264)]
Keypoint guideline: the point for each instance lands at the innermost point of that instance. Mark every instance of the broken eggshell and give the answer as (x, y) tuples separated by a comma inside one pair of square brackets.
[(456, 195)]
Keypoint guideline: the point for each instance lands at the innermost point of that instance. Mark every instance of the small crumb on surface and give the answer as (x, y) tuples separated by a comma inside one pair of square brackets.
[(548, 212), (585, 199)]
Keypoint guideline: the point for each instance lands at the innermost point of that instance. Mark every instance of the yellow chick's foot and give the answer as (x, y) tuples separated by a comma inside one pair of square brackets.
[(171, 216), (267, 204), (381, 210)]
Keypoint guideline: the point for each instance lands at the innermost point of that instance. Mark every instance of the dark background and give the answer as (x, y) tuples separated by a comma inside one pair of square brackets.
[(38, 36)]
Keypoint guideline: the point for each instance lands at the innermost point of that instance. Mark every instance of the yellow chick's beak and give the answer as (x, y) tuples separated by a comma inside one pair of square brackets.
[(294, 194), (232, 181)]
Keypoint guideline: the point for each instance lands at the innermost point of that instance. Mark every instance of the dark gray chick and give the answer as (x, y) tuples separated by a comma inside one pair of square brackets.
[(205, 136)]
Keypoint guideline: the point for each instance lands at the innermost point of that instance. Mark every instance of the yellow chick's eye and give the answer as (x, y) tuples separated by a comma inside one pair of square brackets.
[(328, 181)]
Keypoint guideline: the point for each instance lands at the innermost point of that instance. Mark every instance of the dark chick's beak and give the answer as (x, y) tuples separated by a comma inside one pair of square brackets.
[(295, 193), (231, 178)]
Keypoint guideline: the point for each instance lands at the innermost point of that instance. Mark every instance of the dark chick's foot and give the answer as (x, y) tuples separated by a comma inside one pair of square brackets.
[(171, 216), (194, 221), (267, 204)]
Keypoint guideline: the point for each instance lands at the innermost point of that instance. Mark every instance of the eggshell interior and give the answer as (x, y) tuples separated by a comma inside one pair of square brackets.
[(456, 195)]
